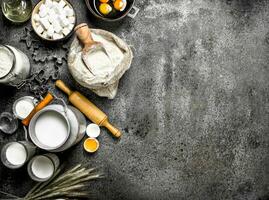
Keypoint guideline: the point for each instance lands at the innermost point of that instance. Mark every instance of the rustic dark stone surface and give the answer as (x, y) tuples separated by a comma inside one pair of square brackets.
[(194, 107)]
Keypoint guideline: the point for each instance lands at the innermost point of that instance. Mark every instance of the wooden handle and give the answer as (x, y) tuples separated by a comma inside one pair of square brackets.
[(84, 35), (115, 132), (37, 108), (61, 85)]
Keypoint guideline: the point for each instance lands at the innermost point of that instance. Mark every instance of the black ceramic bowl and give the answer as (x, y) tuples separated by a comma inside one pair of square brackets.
[(130, 11)]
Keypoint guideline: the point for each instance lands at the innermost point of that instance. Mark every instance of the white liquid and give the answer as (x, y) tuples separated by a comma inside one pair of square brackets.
[(42, 167), (23, 108), (16, 154), (6, 61), (51, 129)]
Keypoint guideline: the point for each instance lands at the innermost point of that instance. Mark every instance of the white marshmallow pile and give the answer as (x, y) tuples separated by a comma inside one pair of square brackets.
[(54, 20)]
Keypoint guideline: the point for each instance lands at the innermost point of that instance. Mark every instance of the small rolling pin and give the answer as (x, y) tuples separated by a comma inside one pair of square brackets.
[(48, 98), (88, 108)]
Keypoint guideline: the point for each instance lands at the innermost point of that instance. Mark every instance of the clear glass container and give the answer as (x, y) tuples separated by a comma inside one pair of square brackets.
[(14, 65), (42, 167), (17, 11), (15, 154), (8, 123)]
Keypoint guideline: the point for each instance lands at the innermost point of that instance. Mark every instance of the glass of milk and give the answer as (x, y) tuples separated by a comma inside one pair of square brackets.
[(14, 65), (42, 167), (15, 154)]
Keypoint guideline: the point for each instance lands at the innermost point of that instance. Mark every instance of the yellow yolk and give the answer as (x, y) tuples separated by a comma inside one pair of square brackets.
[(91, 145), (120, 5), (104, 1), (105, 8)]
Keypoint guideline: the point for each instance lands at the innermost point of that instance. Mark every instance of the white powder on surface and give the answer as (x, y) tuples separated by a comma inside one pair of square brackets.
[(16, 154), (51, 129), (42, 167)]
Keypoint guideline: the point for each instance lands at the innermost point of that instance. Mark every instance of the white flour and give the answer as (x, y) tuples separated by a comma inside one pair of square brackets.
[(6, 61), (42, 167), (51, 129), (102, 65), (16, 154)]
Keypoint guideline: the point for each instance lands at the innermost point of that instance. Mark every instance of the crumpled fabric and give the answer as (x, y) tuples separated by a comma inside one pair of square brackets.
[(103, 86)]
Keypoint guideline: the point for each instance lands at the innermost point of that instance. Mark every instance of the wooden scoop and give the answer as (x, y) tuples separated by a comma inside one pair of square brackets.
[(48, 98), (84, 35)]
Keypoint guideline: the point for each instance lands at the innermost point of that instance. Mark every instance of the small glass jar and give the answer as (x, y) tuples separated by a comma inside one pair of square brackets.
[(14, 65), (17, 11), (42, 167), (8, 123), (15, 154)]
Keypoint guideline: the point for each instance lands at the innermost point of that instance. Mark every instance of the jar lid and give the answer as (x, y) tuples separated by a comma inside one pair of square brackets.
[(6, 60)]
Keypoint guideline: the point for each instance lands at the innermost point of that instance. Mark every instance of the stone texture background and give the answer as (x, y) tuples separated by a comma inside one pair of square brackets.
[(193, 108)]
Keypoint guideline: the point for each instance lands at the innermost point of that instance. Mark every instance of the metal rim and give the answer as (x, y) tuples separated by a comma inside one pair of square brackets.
[(32, 128), (12, 166), (30, 171)]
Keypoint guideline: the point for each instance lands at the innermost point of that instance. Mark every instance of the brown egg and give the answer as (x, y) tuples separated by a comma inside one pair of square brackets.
[(120, 5)]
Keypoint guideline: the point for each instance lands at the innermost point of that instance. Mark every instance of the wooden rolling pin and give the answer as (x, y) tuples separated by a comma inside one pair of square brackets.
[(88, 108), (48, 98)]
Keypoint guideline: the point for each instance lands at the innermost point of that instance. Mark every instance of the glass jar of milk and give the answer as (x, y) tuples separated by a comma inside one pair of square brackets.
[(14, 65)]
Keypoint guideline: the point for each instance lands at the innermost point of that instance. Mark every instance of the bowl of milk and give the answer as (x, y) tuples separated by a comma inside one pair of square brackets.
[(49, 129)]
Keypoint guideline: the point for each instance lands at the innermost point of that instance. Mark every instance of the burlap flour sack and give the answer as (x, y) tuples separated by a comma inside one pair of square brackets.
[(121, 56)]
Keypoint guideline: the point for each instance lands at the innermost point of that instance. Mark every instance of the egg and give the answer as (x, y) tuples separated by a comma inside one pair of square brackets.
[(120, 5), (104, 1), (105, 8)]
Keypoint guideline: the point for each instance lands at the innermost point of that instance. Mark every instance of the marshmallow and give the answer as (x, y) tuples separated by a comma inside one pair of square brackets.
[(43, 12), (70, 12), (61, 3), (48, 3), (70, 26), (42, 7), (56, 36), (57, 27), (39, 29), (50, 31), (52, 18), (55, 19), (71, 20), (65, 31), (44, 34), (36, 17), (63, 21), (45, 23)]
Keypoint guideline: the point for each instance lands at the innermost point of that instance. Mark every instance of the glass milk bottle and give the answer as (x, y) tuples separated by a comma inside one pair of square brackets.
[(14, 65)]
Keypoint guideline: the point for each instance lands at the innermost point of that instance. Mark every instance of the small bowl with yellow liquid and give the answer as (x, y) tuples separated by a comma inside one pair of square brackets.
[(91, 145), (17, 11)]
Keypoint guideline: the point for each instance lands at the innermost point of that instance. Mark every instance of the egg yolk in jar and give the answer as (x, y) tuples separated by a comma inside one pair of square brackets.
[(120, 5), (105, 8)]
